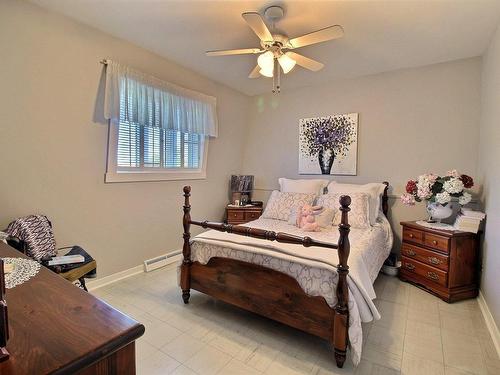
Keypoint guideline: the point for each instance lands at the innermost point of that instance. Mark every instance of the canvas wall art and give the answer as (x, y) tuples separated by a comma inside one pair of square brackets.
[(328, 145)]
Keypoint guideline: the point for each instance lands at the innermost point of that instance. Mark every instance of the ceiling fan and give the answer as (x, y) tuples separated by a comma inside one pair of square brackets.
[(276, 53)]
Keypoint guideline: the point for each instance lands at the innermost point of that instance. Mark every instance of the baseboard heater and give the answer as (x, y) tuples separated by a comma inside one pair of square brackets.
[(161, 261)]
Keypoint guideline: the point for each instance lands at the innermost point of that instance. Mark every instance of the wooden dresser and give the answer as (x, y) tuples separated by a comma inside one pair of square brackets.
[(57, 328), (445, 263), (241, 215)]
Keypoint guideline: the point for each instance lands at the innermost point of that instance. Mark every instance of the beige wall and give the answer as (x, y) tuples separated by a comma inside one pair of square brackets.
[(53, 141), (410, 121), (489, 174)]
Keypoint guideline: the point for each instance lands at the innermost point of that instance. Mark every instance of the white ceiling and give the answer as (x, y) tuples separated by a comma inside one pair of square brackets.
[(379, 35)]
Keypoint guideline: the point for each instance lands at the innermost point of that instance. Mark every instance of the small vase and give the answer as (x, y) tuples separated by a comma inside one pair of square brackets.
[(326, 157), (438, 212)]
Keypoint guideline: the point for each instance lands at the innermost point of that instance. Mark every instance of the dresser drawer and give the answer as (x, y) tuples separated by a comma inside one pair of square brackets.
[(437, 242), (425, 256), (235, 215), (252, 215), (413, 235), (411, 266)]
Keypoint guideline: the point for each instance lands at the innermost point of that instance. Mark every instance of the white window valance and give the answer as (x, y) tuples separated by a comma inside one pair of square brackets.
[(149, 101)]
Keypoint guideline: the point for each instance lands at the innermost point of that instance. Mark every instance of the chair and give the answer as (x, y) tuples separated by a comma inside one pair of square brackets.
[(33, 236)]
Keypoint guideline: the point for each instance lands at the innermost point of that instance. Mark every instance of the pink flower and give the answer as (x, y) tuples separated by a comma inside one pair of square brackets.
[(424, 192), (408, 199), (432, 178), (453, 173)]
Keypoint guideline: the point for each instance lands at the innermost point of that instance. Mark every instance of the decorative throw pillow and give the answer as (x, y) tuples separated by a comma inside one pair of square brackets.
[(359, 216), (374, 191), (280, 205), (302, 186), (325, 218)]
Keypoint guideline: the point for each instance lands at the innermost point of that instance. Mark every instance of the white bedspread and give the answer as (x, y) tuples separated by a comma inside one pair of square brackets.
[(314, 268)]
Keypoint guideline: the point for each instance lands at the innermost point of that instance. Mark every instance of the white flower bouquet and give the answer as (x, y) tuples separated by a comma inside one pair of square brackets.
[(436, 189)]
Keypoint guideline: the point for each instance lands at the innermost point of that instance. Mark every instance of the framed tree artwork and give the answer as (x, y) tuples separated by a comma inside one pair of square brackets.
[(329, 145)]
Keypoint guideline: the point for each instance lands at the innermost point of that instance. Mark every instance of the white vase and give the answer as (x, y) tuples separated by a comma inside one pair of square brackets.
[(438, 212)]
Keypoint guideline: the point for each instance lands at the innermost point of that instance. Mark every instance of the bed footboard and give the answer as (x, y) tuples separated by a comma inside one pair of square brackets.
[(268, 292)]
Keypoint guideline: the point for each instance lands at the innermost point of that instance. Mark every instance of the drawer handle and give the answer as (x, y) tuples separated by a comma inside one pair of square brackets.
[(409, 266), (435, 260), (434, 242), (411, 253), (433, 275), (411, 235)]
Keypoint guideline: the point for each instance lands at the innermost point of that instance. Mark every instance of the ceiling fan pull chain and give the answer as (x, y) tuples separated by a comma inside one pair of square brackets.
[(278, 89)]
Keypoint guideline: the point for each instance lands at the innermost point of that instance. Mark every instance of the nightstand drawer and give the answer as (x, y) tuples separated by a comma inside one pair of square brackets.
[(436, 242), (411, 266), (425, 256), (252, 215), (413, 235), (235, 215)]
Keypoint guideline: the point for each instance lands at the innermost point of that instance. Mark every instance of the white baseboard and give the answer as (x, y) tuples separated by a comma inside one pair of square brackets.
[(113, 278), (490, 322)]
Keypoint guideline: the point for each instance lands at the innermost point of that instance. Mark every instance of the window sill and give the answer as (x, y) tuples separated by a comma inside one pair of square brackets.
[(112, 177)]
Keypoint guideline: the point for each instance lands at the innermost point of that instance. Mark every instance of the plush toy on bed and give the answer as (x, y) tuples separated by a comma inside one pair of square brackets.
[(306, 219)]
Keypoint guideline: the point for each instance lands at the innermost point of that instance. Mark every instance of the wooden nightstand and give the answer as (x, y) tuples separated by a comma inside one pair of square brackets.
[(241, 215), (445, 263)]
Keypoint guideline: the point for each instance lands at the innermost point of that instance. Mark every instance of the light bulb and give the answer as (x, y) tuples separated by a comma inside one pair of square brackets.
[(267, 72), (266, 61), (286, 62)]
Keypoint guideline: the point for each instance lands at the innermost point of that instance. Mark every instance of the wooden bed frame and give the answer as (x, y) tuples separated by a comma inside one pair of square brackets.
[(271, 293)]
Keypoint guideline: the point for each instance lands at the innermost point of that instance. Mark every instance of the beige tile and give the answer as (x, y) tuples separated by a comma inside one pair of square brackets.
[(463, 352), (413, 365), (285, 368), (235, 367), (396, 291), (393, 316), (143, 349), (460, 323), (386, 340), (428, 316), (424, 330), (229, 342), (490, 354), (421, 300), (372, 354), (183, 370), (368, 368), (424, 348), (182, 347), (157, 332), (258, 356), (448, 370), (157, 364), (208, 361)]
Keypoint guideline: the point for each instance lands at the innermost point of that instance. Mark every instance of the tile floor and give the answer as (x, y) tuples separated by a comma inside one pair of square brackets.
[(418, 334)]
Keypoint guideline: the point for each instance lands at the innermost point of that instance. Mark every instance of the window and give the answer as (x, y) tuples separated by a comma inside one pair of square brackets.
[(142, 153), (157, 130)]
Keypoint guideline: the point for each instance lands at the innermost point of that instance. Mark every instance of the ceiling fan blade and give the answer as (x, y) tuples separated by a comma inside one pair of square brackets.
[(255, 72), (323, 35), (258, 26), (305, 62), (226, 52)]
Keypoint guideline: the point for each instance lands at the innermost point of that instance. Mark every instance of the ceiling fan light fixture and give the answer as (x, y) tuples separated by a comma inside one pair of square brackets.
[(286, 63), (267, 72), (266, 61)]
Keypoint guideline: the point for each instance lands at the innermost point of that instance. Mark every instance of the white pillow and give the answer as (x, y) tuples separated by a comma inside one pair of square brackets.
[(374, 191), (280, 205), (325, 218), (302, 186), (359, 216)]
